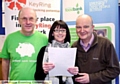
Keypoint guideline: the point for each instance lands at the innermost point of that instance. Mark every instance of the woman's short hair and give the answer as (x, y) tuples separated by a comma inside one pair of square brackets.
[(62, 24)]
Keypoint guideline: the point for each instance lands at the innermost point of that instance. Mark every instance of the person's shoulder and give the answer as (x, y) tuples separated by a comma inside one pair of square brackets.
[(74, 44), (104, 40), (13, 34), (43, 48)]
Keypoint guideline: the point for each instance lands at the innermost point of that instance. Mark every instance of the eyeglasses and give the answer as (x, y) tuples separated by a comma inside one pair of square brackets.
[(30, 19), (58, 31)]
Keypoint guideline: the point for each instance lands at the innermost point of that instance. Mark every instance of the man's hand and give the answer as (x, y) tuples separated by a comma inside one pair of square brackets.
[(83, 79)]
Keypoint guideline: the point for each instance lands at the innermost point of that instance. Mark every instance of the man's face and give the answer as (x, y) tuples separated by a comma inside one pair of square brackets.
[(84, 28), (27, 19)]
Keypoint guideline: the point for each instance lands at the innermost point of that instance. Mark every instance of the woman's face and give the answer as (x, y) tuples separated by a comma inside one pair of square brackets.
[(59, 34)]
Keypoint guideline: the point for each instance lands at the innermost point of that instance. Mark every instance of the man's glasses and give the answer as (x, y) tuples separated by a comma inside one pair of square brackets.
[(61, 30)]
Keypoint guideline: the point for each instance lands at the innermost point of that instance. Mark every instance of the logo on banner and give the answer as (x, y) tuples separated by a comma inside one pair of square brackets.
[(77, 8), (15, 4)]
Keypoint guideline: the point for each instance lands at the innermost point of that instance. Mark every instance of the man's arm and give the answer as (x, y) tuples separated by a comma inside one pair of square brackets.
[(5, 68), (112, 67)]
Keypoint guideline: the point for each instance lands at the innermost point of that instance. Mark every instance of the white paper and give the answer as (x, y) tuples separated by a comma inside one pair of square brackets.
[(63, 58)]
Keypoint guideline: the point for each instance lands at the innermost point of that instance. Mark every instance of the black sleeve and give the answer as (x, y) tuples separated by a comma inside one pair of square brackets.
[(39, 73)]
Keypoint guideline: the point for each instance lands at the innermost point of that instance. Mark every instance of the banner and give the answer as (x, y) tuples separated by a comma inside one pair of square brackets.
[(47, 12)]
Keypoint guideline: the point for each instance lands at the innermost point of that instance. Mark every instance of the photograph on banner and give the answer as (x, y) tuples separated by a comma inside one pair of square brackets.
[(101, 32), (47, 13), (108, 29), (72, 10), (102, 29)]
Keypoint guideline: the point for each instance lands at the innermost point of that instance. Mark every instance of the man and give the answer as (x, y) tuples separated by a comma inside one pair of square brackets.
[(96, 57), (20, 49)]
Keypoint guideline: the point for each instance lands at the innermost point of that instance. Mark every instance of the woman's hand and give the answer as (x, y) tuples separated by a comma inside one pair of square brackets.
[(47, 67), (73, 70)]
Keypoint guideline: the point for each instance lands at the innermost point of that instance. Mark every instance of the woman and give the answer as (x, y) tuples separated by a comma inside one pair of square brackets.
[(59, 36)]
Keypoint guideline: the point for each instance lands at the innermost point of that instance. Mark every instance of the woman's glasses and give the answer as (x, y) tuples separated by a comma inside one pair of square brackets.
[(60, 30)]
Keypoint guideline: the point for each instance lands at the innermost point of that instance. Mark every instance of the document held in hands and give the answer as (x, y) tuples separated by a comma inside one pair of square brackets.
[(62, 58)]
